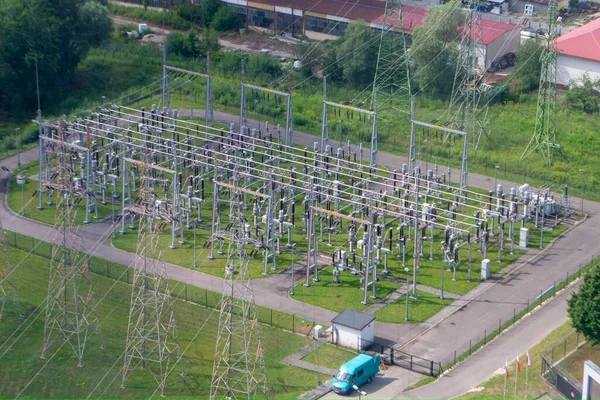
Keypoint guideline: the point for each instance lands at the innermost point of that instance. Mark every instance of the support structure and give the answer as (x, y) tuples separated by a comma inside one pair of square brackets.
[(289, 129), (392, 74), (209, 117), (544, 138), (373, 159), (151, 342), (465, 111), (239, 369), (71, 311)]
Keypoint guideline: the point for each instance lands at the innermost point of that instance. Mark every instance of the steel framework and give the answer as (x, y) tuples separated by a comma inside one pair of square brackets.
[(544, 138), (70, 313), (239, 368), (152, 341)]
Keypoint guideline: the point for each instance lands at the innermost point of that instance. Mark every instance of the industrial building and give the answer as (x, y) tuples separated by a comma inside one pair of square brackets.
[(578, 53), (322, 20)]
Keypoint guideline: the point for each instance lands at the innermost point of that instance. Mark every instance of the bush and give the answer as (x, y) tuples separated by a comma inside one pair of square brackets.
[(263, 66), (225, 19), (192, 14), (186, 46)]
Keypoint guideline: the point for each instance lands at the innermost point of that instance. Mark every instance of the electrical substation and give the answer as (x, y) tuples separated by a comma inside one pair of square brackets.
[(247, 196)]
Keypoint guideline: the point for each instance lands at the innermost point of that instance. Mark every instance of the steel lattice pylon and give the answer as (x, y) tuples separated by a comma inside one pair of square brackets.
[(8, 288), (465, 109), (392, 74), (71, 311), (151, 331), (239, 369), (544, 134)]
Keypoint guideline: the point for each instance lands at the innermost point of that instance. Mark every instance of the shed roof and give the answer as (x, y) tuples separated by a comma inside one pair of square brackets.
[(353, 319), (583, 42)]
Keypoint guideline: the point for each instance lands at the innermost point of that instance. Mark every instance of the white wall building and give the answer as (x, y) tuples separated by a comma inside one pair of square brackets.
[(578, 53), (353, 329)]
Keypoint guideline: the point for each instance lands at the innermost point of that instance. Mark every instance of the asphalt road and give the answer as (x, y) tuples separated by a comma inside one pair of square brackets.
[(493, 301)]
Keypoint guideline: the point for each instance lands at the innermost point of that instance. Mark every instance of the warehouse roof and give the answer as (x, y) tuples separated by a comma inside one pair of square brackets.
[(486, 32), (353, 319), (583, 42), (366, 10)]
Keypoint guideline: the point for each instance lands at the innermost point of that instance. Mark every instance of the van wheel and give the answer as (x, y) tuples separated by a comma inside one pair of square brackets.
[(369, 380)]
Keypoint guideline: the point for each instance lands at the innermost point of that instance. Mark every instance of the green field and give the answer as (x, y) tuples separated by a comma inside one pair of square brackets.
[(329, 356), (537, 386), (26, 375), (425, 306)]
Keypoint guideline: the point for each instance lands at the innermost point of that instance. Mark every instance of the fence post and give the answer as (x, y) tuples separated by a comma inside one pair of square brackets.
[(528, 306), (127, 271), (15, 238), (430, 368), (392, 355), (410, 363), (470, 343), (554, 289), (565, 349), (485, 337), (271, 317), (107, 270), (186, 293), (293, 323), (454, 356), (567, 282), (577, 344), (579, 271), (499, 325), (206, 298), (514, 315)]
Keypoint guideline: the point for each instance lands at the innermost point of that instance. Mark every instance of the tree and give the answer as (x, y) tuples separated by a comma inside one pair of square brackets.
[(358, 54), (262, 66), (584, 306), (584, 92), (529, 65), (331, 68), (209, 42), (225, 19), (435, 49), (58, 34)]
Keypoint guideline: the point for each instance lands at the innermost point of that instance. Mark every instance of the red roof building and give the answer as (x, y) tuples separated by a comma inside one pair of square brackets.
[(578, 53), (582, 42)]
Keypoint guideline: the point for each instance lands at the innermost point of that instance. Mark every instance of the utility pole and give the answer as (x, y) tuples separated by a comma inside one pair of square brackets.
[(152, 342), (71, 312), (239, 367), (544, 138)]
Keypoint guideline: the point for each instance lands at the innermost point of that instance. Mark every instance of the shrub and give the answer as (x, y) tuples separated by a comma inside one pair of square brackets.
[(225, 19)]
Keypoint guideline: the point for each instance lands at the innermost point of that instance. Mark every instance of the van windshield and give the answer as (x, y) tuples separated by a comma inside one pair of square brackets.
[(342, 376)]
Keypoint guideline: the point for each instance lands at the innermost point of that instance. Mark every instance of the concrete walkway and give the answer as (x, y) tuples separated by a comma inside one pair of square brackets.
[(479, 311), (296, 360)]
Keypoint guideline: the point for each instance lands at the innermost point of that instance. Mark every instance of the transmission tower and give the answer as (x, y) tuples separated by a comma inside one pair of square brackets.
[(152, 341), (392, 74), (465, 109), (70, 314), (544, 134), (8, 289), (239, 369)]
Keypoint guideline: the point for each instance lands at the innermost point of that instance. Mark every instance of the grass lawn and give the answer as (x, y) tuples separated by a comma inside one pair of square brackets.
[(329, 356), (425, 306), (573, 364), (24, 373), (494, 387), (338, 297)]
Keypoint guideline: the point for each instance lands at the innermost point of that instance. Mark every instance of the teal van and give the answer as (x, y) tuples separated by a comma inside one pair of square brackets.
[(358, 371)]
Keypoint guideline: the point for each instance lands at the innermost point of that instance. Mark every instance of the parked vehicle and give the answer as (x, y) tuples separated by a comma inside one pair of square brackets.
[(355, 373), (507, 60)]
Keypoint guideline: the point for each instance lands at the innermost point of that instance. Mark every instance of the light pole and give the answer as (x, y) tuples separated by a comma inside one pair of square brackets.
[(407, 290), (18, 138), (496, 167), (582, 171), (442, 293)]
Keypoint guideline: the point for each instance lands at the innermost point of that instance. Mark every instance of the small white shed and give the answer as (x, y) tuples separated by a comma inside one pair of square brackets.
[(353, 329)]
